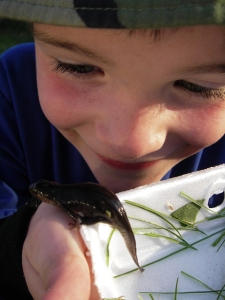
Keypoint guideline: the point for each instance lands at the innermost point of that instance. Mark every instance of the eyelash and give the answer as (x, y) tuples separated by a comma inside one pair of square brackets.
[(198, 90), (76, 70), (88, 71)]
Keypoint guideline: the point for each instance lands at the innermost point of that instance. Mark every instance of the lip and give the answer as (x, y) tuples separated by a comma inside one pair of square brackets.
[(127, 166)]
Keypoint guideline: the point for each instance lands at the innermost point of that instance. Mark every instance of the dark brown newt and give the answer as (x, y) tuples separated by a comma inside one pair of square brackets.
[(91, 203)]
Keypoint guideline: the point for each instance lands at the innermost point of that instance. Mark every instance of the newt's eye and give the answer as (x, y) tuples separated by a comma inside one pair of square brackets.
[(200, 91), (77, 70), (43, 182)]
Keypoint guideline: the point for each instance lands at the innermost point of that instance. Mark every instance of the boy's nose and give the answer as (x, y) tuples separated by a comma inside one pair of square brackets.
[(133, 133)]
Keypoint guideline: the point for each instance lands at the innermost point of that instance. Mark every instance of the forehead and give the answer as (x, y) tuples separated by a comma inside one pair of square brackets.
[(197, 39), (156, 35), (153, 35)]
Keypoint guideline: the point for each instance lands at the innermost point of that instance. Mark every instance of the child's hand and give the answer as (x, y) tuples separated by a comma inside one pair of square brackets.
[(54, 261)]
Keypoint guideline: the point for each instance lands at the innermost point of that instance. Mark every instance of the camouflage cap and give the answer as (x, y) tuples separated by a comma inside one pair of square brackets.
[(116, 13)]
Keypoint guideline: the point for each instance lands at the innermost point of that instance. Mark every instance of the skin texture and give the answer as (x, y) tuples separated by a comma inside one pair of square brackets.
[(144, 105), (129, 110), (57, 270)]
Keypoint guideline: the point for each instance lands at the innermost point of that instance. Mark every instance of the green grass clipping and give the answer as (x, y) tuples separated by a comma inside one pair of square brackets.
[(188, 212)]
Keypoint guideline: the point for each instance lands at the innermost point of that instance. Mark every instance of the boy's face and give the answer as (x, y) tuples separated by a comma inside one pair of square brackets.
[(134, 106)]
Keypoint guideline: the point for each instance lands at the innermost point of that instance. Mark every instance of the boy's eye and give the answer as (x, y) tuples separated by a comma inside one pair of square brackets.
[(77, 70), (200, 91)]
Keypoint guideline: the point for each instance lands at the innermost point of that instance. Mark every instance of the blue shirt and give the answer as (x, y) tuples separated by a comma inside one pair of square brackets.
[(31, 148)]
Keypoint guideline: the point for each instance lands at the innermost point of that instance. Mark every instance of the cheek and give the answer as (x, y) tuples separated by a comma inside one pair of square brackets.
[(203, 126), (62, 102)]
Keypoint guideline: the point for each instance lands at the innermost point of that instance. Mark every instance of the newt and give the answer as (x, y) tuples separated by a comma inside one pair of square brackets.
[(90, 203)]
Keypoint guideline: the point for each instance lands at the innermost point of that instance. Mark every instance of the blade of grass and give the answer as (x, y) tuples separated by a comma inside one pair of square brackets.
[(190, 292), (160, 215), (220, 214), (157, 226), (180, 293), (217, 241), (220, 294), (171, 254), (156, 235), (176, 289), (201, 205), (199, 281), (221, 245), (157, 212), (107, 246)]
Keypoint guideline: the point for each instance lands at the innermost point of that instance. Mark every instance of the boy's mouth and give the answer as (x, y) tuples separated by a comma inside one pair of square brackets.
[(136, 166)]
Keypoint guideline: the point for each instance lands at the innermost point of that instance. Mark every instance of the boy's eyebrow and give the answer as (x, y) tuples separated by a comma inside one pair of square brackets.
[(79, 49), (74, 47), (210, 69)]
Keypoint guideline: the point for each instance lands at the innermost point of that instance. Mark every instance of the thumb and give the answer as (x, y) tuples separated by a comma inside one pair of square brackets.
[(68, 279), (54, 263)]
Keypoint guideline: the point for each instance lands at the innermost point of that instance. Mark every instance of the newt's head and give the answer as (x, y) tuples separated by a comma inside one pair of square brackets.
[(44, 191)]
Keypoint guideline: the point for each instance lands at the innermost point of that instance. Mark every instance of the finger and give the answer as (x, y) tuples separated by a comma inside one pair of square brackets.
[(69, 279), (53, 259), (33, 281)]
